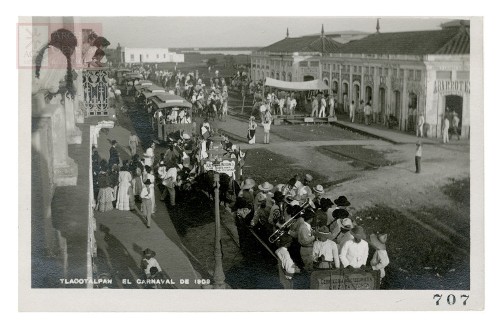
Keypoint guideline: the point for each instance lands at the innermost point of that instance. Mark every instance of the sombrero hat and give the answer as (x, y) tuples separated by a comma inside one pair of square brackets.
[(324, 234), (346, 223), (342, 201), (318, 189), (249, 183), (378, 241), (266, 187)]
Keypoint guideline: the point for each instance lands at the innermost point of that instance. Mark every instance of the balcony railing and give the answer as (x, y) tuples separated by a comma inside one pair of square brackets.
[(95, 91)]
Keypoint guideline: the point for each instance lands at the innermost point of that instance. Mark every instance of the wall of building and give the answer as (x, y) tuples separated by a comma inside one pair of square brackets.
[(150, 55), (427, 80)]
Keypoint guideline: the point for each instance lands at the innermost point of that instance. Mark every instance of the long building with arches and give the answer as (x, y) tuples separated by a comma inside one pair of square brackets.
[(403, 74)]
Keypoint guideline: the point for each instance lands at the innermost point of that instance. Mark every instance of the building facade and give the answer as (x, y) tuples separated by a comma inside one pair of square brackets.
[(149, 55), (403, 75)]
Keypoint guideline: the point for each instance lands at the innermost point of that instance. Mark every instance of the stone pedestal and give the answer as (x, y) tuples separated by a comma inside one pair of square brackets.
[(65, 170)]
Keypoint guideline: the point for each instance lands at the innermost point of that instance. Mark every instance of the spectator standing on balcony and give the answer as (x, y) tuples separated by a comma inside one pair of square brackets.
[(99, 43), (97, 58), (114, 157)]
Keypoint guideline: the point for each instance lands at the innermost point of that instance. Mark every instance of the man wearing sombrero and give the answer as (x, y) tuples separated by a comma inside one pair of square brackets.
[(247, 190), (380, 259), (265, 189), (325, 251), (354, 253), (341, 231), (342, 205)]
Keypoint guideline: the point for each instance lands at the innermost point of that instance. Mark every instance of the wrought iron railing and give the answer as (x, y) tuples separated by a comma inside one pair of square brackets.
[(95, 91)]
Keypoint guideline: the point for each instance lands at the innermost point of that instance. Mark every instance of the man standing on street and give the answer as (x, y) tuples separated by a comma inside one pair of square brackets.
[(331, 104), (454, 125), (352, 111), (322, 105), (446, 127), (315, 105), (114, 157), (133, 142), (420, 126), (418, 157)]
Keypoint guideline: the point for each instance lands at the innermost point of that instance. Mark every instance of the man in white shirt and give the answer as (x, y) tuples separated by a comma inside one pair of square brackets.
[(293, 104), (286, 266), (170, 181), (147, 204), (133, 142), (354, 253), (322, 105), (306, 239), (325, 251), (352, 111), (315, 105), (331, 104)]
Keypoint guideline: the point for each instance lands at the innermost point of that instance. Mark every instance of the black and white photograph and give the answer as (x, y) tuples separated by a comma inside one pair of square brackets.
[(324, 156)]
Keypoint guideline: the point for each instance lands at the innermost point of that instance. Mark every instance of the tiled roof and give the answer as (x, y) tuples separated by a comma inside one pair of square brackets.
[(445, 41), (303, 44)]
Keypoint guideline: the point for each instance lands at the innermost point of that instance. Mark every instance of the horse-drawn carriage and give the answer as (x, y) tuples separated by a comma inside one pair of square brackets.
[(120, 75), (170, 114)]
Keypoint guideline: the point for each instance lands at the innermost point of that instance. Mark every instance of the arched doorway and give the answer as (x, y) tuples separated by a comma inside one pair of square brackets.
[(272, 74), (326, 81), (368, 95), (382, 103), (289, 77), (283, 76), (454, 103), (335, 87), (357, 94), (345, 96), (308, 78), (412, 112)]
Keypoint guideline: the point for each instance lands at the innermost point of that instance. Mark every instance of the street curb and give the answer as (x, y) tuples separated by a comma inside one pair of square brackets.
[(365, 133)]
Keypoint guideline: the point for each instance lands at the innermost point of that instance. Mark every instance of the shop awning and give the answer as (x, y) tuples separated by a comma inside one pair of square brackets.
[(297, 86)]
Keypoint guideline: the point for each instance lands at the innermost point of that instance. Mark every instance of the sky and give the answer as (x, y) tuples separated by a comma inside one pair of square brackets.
[(178, 32)]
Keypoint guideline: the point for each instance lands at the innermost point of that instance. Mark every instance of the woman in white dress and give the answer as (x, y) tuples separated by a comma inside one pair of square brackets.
[(123, 198)]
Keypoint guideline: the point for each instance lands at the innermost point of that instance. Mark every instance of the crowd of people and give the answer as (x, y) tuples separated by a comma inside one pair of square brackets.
[(305, 230)]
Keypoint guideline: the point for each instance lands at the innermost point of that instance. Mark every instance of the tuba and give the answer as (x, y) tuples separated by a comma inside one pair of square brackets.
[(289, 223)]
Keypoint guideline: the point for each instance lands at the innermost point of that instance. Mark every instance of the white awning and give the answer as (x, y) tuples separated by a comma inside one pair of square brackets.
[(297, 86)]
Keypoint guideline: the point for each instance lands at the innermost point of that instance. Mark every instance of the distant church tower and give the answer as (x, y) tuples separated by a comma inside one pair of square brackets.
[(287, 34), (378, 25)]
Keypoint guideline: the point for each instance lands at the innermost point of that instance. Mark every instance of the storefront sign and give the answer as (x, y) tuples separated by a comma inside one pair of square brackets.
[(224, 167), (452, 86), (345, 280)]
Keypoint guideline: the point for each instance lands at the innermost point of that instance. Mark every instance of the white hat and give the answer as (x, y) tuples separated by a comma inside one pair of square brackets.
[(318, 189)]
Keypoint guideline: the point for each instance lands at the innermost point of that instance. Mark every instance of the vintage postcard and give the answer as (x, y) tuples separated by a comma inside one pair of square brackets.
[(335, 160)]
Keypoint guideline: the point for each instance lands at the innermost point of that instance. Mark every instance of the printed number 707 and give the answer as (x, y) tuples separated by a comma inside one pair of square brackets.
[(451, 299)]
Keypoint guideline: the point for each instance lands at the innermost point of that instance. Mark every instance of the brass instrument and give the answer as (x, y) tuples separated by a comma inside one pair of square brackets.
[(288, 224)]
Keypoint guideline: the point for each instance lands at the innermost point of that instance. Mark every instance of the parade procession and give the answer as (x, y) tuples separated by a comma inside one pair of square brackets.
[(326, 161)]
